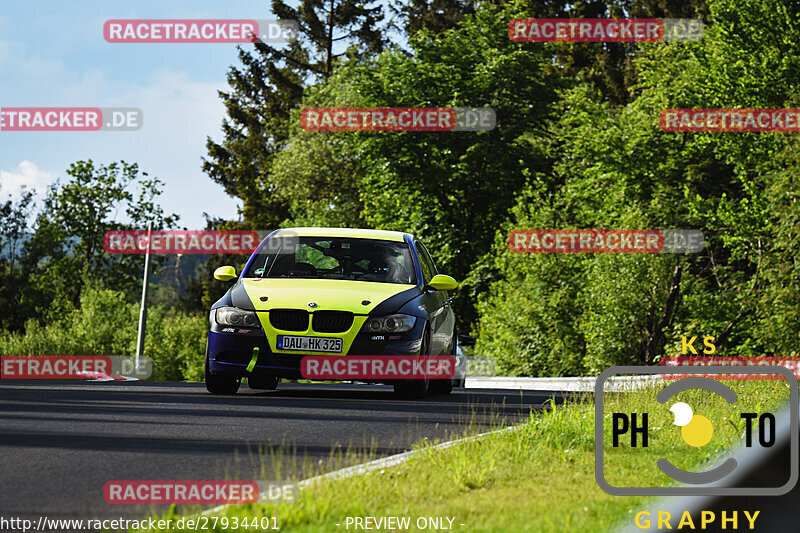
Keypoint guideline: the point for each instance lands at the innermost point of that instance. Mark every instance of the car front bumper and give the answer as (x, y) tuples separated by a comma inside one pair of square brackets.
[(230, 352)]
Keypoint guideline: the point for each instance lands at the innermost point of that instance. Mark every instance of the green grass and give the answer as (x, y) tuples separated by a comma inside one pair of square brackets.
[(539, 477)]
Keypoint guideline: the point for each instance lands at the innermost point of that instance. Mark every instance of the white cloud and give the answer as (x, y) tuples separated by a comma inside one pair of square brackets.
[(177, 95), (27, 174), (179, 111)]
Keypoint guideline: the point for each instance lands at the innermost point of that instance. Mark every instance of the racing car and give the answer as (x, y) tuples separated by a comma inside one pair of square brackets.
[(332, 292)]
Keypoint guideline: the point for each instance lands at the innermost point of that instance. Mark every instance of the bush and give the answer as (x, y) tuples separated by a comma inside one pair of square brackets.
[(106, 324)]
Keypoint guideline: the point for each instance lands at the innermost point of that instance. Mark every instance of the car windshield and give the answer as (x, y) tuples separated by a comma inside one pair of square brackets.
[(333, 258)]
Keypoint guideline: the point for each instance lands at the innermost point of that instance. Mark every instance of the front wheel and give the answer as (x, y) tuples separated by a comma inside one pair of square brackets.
[(220, 383), (445, 386), (441, 386), (411, 389), (415, 389)]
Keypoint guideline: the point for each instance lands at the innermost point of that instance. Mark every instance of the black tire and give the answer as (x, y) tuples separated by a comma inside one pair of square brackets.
[(411, 389), (459, 382), (415, 389), (263, 382), (221, 383), (441, 386), (445, 386)]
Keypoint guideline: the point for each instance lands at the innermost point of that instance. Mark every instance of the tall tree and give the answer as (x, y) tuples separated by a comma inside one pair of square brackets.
[(66, 249), (14, 231), (270, 83), (435, 16)]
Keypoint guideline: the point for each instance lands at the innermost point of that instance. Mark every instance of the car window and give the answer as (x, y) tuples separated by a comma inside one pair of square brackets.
[(429, 259), (405, 263), (314, 257), (428, 268), (334, 258)]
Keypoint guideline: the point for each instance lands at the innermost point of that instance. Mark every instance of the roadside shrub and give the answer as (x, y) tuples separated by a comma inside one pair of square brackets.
[(106, 324)]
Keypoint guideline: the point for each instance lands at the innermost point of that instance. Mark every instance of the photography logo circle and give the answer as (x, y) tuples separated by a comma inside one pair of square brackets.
[(761, 431), (696, 430)]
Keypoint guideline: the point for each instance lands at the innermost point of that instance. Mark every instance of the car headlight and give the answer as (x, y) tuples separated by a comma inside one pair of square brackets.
[(233, 316), (389, 324)]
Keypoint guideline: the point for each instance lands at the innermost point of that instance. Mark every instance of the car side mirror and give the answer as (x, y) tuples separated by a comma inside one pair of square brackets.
[(440, 282), (466, 340), (225, 273)]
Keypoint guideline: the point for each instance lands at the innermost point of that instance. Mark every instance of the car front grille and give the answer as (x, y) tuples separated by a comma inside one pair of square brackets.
[(289, 319), (321, 321), (331, 321)]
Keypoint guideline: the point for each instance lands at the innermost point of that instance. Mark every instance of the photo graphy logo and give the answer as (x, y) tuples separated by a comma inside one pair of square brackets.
[(632, 432)]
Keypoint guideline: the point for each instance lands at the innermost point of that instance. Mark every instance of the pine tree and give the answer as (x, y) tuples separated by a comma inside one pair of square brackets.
[(269, 83)]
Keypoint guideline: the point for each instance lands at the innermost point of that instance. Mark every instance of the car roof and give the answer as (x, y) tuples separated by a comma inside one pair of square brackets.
[(353, 233)]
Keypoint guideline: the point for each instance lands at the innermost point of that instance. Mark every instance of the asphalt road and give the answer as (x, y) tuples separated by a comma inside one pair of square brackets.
[(60, 442)]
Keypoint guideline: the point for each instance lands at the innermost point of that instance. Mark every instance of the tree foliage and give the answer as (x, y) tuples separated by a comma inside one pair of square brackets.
[(50, 259)]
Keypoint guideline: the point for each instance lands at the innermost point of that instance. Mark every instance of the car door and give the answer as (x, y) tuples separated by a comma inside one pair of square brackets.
[(441, 315)]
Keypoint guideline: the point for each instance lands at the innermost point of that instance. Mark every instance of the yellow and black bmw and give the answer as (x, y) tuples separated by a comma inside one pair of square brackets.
[(329, 291)]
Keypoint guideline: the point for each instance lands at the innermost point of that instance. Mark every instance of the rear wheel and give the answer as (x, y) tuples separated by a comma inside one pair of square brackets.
[(441, 386), (415, 389), (263, 382), (220, 383)]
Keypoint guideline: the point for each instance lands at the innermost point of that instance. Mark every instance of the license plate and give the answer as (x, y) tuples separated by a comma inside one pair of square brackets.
[(309, 344)]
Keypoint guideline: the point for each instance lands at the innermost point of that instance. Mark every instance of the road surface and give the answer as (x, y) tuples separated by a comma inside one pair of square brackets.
[(60, 442)]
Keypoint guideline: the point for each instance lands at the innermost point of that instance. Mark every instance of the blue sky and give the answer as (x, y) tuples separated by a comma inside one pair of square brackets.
[(52, 54)]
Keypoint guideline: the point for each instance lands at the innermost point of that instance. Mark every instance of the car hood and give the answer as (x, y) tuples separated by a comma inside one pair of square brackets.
[(329, 294)]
